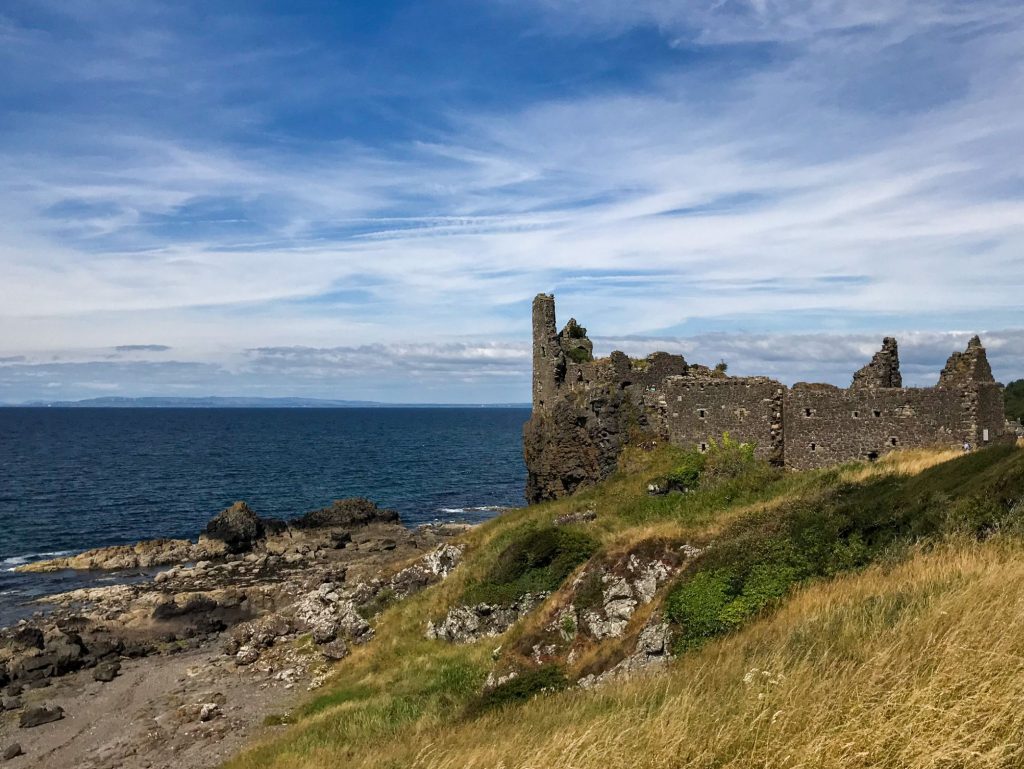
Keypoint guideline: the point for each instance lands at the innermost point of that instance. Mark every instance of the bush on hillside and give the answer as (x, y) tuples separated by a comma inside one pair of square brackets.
[(757, 560), (526, 685), (538, 561)]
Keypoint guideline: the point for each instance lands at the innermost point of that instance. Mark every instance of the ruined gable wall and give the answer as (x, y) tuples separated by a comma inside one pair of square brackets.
[(857, 423), (696, 411), (988, 412)]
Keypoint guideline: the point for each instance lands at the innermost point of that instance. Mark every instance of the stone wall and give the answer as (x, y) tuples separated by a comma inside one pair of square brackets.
[(585, 410), (825, 425), (700, 410)]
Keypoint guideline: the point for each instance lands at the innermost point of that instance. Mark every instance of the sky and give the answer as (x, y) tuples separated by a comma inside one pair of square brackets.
[(359, 200)]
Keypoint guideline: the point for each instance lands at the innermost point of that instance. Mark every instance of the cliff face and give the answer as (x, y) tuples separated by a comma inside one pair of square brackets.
[(585, 410)]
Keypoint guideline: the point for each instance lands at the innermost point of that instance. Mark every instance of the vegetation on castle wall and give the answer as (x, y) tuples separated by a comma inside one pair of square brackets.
[(578, 355)]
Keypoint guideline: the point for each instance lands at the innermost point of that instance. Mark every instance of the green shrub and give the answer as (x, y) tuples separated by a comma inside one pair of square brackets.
[(526, 685), (578, 355), (727, 458), (538, 561), (760, 557)]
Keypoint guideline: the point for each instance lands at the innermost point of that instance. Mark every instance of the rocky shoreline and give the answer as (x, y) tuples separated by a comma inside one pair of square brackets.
[(204, 652)]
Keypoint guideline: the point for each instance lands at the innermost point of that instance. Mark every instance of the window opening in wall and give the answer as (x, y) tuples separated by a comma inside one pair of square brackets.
[(813, 447), (701, 413), (703, 447), (807, 412), (872, 456), (543, 352), (893, 441), (856, 415), (984, 435), (876, 413), (741, 413)]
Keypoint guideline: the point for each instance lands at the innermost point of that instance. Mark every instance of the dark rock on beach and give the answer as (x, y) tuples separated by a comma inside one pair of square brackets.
[(346, 513), (238, 527), (38, 715)]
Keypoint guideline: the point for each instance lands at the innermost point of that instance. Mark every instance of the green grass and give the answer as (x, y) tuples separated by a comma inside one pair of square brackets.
[(770, 533)]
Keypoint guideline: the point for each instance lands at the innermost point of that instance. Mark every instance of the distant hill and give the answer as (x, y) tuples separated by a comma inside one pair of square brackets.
[(1014, 396), (247, 403)]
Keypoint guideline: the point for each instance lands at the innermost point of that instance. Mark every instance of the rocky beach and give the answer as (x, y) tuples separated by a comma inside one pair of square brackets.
[(183, 668)]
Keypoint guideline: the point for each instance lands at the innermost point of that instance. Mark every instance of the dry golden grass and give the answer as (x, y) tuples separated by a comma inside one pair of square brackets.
[(903, 462), (921, 665), (917, 665)]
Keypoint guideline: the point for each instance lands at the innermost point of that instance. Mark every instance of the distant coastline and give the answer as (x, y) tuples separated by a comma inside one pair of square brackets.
[(247, 403)]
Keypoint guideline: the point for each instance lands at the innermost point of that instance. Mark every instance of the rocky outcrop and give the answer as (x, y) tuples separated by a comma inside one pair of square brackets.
[(346, 513), (466, 624), (238, 527), (653, 650), (142, 555), (576, 442)]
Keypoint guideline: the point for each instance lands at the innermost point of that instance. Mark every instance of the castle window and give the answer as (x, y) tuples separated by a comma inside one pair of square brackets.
[(813, 447), (876, 413), (856, 415), (872, 456), (702, 414), (893, 441), (703, 447), (808, 412)]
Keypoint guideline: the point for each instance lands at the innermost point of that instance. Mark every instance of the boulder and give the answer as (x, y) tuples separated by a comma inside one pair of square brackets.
[(37, 715), (238, 527), (12, 751), (106, 672), (346, 513), (10, 702)]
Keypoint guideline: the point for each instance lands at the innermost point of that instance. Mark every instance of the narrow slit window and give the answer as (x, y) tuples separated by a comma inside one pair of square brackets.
[(856, 415), (813, 447), (876, 413), (701, 414), (808, 412), (703, 447)]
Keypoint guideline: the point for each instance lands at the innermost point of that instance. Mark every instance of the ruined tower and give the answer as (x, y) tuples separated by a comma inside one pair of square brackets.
[(548, 357)]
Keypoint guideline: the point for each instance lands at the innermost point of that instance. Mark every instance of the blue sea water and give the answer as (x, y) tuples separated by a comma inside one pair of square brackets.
[(74, 478)]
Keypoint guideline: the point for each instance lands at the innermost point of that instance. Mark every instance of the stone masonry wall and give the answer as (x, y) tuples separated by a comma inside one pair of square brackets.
[(826, 425), (749, 409), (586, 410)]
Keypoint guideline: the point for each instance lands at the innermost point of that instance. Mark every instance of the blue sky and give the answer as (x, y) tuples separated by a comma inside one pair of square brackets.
[(359, 200)]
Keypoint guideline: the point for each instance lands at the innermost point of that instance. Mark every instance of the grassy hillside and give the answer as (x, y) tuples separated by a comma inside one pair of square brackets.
[(867, 615)]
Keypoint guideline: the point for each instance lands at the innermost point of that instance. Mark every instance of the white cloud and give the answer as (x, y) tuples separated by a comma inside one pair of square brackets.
[(800, 191)]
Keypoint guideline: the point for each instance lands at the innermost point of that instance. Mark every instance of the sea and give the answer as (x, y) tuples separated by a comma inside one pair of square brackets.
[(78, 478)]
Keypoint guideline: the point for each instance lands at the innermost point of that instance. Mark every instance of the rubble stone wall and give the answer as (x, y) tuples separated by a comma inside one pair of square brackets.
[(586, 410)]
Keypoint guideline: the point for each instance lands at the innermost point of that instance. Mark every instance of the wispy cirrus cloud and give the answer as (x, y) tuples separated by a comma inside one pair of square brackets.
[(261, 181)]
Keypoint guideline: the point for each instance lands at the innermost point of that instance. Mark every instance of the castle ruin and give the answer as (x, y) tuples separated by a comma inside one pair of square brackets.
[(584, 409)]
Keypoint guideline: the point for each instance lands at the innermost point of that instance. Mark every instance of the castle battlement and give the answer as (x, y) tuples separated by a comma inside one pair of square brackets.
[(584, 408)]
